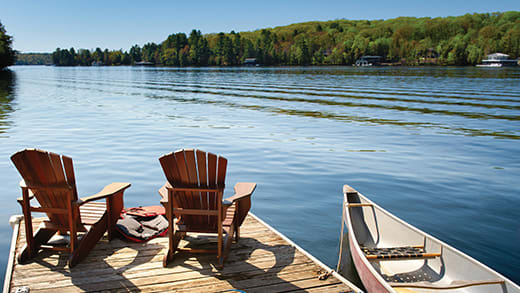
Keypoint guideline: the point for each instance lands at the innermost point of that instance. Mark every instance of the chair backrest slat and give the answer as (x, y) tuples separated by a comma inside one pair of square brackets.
[(221, 175), (59, 176), (71, 179), (181, 178), (203, 177), (212, 181), (192, 197)]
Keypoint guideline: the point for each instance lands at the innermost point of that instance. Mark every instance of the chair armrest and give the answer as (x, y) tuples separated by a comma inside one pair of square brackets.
[(242, 189), (31, 196), (163, 191), (24, 185), (109, 190)]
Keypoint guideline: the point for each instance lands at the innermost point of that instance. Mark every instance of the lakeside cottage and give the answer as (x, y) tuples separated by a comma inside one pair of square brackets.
[(369, 61), (498, 60), (143, 63), (250, 62)]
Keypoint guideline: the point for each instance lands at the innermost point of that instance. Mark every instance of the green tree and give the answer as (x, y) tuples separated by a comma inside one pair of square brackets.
[(33, 58), (135, 54), (473, 54), (97, 55), (151, 53), (183, 54), (169, 57), (249, 49), (64, 57), (116, 57), (224, 50), (300, 53), (84, 57), (7, 54), (511, 41), (106, 57), (126, 59)]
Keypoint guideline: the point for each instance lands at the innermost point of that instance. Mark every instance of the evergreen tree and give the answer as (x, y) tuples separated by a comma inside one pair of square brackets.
[(135, 54), (7, 54)]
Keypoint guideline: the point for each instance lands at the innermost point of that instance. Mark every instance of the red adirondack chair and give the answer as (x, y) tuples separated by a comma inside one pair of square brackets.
[(192, 197), (49, 178)]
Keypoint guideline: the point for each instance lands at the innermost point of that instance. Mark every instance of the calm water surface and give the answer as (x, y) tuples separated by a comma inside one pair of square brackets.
[(438, 147)]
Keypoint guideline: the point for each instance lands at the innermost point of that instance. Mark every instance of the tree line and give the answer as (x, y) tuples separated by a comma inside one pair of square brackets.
[(461, 40), (33, 58)]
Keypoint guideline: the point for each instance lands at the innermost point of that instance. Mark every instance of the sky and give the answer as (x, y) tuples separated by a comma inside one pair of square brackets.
[(43, 26)]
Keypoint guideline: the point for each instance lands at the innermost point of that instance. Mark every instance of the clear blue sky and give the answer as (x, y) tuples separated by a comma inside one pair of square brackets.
[(42, 26)]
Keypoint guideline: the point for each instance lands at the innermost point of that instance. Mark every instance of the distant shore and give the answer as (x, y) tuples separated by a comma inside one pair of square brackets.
[(460, 41)]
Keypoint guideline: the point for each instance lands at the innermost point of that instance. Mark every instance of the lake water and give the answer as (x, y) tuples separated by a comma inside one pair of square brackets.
[(438, 147)]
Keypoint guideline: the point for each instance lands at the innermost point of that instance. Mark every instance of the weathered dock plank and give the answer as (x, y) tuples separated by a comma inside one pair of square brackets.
[(262, 261)]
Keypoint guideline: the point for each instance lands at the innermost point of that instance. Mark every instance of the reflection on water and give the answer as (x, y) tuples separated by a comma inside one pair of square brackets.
[(327, 101), (436, 146), (7, 79)]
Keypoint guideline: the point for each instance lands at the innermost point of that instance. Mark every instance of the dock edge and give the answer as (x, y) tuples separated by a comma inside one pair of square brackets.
[(310, 256), (14, 221)]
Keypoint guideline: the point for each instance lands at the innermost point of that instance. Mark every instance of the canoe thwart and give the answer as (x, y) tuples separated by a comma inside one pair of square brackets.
[(357, 205), (386, 253)]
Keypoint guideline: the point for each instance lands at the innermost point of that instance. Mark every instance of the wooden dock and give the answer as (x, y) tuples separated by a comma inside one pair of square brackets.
[(262, 261)]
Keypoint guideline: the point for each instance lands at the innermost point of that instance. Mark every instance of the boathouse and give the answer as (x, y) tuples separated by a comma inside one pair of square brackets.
[(369, 61)]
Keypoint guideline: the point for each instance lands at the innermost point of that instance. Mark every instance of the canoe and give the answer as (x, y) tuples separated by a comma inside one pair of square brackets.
[(390, 255)]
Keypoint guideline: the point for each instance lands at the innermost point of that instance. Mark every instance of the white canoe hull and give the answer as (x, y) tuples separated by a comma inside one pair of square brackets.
[(445, 269)]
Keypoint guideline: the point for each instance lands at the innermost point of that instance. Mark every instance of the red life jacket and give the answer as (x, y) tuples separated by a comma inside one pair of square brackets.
[(142, 224)]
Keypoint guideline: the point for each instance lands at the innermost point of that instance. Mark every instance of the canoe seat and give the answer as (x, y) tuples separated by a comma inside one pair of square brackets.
[(388, 253)]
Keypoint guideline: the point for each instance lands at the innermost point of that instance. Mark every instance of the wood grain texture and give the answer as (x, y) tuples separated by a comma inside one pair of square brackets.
[(260, 262), (50, 178), (195, 186)]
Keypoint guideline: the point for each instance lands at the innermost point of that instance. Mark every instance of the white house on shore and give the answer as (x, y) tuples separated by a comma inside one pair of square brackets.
[(498, 60)]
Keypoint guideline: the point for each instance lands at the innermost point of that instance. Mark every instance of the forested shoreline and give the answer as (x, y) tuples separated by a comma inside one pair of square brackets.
[(33, 59), (461, 40)]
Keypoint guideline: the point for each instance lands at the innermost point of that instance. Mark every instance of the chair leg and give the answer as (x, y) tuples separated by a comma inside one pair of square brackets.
[(174, 240), (88, 241), (41, 237), (114, 206), (228, 240)]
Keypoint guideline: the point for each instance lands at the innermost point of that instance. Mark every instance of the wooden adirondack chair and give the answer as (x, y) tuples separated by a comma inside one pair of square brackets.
[(192, 197), (50, 179)]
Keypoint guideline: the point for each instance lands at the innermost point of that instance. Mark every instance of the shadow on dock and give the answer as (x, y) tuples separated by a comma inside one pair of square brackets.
[(251, 263), (261, 261)]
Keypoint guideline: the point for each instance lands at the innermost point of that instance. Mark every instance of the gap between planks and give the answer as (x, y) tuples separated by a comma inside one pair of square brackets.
[(265, 258)]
